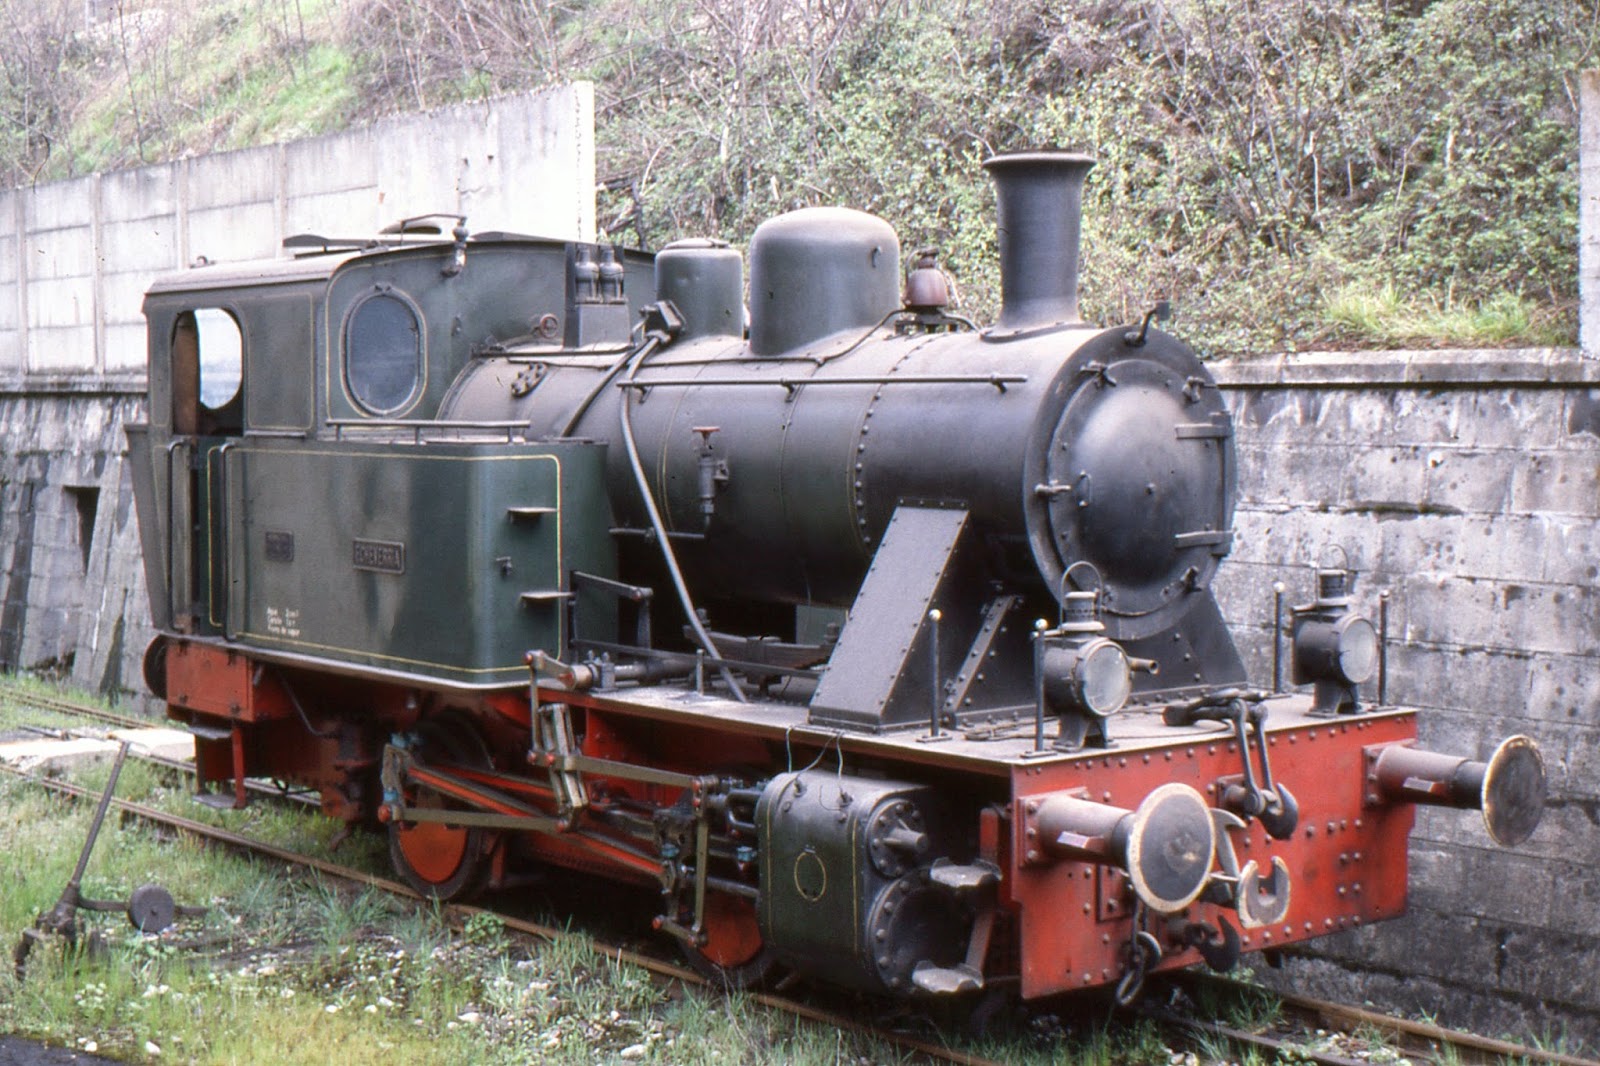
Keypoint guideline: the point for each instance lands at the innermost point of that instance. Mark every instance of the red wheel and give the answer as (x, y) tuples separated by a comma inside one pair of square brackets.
[(441, 861), (734, 953)]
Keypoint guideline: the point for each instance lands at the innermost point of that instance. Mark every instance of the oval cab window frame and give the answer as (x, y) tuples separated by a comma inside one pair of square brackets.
[(380, 342)]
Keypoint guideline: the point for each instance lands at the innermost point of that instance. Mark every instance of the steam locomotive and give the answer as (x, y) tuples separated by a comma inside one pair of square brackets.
[(882, 644)]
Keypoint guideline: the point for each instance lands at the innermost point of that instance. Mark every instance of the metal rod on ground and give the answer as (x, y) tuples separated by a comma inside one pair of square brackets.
[(94, 827), (62, 920)]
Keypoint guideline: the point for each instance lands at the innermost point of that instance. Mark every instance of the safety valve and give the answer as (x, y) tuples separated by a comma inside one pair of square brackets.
[(1334, 648), (1084, 676)]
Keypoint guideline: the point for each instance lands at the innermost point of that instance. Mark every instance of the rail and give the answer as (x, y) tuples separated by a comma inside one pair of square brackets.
[(512, 429), (793, 384)]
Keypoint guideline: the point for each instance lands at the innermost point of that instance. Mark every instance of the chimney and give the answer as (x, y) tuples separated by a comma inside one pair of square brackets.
[(1039, 196)]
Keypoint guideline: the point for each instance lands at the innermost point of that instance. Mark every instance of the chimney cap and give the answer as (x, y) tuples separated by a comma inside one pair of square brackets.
[(1038, 155)]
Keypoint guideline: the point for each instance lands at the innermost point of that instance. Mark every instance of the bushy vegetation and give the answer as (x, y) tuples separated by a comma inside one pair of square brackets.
[(1272, 167)]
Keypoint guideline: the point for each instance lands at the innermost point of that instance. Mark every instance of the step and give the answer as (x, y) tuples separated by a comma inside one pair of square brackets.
[(963, 877), (222, 801), (946, 980)]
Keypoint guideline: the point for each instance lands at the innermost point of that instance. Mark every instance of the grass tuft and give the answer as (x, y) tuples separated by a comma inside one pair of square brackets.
[(1384, 317)]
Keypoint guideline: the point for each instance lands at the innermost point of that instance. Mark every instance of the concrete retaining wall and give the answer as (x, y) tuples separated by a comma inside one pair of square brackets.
[(1466, 485), (76, 256), (72, 590)]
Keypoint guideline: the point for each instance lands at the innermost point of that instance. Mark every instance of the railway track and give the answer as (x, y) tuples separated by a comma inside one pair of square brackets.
[(1413, 1039), (1303, 1014), (101, 716), (459, 914), (59, 705)]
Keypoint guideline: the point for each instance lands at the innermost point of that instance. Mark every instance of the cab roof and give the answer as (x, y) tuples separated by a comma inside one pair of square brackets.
[(316, 258)]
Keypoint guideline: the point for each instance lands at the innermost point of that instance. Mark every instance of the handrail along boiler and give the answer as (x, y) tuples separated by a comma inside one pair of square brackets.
[(884, 645)]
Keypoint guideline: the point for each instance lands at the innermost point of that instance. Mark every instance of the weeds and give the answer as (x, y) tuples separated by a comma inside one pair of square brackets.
[(1383, 317), (1427, 150)]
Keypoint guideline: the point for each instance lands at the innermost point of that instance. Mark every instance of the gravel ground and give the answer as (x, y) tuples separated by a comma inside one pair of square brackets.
[(16, 1051)]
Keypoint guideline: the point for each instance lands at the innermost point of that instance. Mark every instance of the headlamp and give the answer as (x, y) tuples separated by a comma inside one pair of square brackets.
[(1084, 677), (1334, 648), (1345, 650), (1100, 679)]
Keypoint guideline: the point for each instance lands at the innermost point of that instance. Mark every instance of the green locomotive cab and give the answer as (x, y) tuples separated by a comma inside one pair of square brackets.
[(294, 457)]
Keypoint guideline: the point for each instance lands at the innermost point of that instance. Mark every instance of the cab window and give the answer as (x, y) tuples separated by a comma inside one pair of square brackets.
[(383, 354), (207, 371)]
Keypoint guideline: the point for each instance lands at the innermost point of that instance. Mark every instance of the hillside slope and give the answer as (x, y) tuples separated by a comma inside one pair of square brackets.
[(1289, 172)]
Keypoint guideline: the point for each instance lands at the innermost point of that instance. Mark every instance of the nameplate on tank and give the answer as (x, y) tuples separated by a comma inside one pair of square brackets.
[(280, 546), (379, 556)]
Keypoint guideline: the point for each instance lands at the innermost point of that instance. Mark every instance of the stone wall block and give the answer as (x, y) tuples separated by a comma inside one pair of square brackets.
[(1296, 539), (1419, 544), (138, 248), (1382, 480), (1562, 689), (62, 254), (1558, 482), (1519, 418), (61, 302), (125, 350), (241, 177), (63, 349), (464, 154), (1479, 613), (1244, 592), (1581, 416), (124, 298), (1466, 480), (11, 201), (1454, 685), (1511, 548), (1582, 759), (339, 213), (1549, 968), (1282, 472), (145, 194), (1425, 419), (1565, 838), (60, 205), (330, 164), (1505, 886), (240, 232)]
